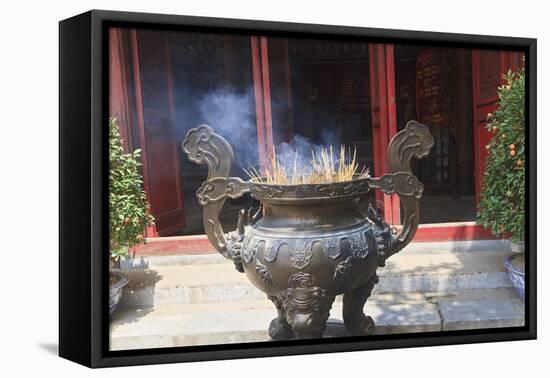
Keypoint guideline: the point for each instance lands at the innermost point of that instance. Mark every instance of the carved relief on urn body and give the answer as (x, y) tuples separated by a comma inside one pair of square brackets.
[(313, 242)]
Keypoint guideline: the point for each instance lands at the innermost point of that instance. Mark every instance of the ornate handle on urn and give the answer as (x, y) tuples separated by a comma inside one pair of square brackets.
[(203, 146), (414, 141)]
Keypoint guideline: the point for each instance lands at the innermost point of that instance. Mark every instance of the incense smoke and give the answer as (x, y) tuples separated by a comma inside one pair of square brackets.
[(232, 115)]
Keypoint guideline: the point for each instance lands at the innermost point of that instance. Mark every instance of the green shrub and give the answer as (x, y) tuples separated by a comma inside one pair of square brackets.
[(502, 206), (128, 207)]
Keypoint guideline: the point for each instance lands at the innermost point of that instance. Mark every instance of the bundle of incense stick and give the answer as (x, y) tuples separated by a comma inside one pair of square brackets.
[(324, 169)]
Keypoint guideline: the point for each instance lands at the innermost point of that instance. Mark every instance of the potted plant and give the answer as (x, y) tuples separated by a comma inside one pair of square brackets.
[(128, 209), (502, 205)]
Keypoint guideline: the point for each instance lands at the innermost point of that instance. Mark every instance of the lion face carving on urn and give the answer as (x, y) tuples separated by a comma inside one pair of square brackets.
[(313, 241)]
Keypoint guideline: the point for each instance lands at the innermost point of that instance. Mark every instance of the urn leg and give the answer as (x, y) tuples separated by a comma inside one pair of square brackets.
[(279, 329), (306, 310), (356, 322)]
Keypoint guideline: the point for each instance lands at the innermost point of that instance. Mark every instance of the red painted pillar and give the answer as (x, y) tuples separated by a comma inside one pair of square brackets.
[(119, 103), (262, 96), (150, 231), (384, 118)]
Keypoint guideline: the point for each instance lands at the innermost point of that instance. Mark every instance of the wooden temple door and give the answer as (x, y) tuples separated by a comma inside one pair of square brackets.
[(384, 119), (142, 98), (155, 98), (488, 67)]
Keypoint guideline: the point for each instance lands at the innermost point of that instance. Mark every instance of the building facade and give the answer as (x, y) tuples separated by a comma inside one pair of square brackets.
[(261, 91)]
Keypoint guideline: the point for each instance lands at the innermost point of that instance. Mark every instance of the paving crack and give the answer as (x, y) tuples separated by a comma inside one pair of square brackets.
[(435, 302)]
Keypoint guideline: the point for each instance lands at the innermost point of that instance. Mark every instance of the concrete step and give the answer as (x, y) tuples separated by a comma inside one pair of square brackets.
[(184, 324), (421, 267)]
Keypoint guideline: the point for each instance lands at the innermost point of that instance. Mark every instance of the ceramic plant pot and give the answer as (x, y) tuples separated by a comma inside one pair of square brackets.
[(117, 282), (515, 267)]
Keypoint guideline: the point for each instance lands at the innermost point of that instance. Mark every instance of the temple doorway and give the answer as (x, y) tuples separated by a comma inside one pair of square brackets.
[(434, 86)]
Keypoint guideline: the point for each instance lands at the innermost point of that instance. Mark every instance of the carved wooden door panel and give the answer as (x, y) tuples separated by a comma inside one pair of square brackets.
[(436, 108), (384, 118), (488, 66)]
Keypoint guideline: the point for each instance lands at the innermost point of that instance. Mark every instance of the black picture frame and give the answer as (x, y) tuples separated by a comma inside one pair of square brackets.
[(83, 228)]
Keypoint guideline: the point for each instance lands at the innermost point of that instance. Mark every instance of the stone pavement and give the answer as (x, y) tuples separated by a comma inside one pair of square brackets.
[(198, 300)]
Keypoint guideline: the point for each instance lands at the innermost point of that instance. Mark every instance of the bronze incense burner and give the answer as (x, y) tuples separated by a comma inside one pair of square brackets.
[(312, 242)]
